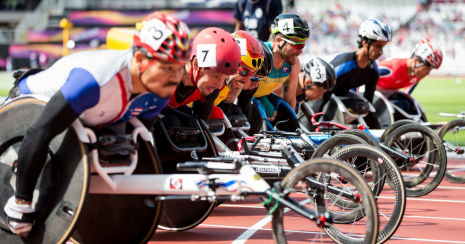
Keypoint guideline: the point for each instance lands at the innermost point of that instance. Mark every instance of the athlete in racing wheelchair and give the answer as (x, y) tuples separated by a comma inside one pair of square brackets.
[(179, 141), (391, 104), (353, 70), (101, 89)]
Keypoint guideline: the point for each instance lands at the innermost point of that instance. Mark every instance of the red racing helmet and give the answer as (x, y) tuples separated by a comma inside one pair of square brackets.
[(425, 51), (216, 49), (164, 37), (252, 51)]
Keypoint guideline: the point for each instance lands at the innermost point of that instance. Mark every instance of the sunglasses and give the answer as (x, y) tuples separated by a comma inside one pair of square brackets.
[(295, 45), (245, 73), (256, 79)]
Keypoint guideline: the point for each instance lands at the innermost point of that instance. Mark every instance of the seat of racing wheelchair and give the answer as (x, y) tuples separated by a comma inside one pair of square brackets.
[(237, 120), (355, 106), (215, 125)]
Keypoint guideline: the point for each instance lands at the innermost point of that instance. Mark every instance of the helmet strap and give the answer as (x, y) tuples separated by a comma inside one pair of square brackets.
[(368, 49), (141, 70), (196, 79), (280, 48)]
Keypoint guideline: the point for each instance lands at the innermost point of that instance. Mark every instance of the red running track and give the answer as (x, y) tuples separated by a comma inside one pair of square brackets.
[(436, 218)]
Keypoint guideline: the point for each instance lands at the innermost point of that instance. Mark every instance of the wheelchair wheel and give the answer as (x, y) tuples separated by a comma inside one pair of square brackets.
[(430, 161), (453, 133), (61, 189), (367, 168), (288, 225), (390, 210), (184, 215), (393, 127), (120, 218)]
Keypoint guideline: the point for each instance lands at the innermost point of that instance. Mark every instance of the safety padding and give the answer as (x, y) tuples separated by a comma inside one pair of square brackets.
[(122, 218), (62, 187)]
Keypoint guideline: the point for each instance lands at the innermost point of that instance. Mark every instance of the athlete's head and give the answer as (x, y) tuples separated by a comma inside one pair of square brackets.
[(252, 58), (215, 56), (428, 57), (290, 33), (162, 46), (317, 78), (266, 69), (373, 35)]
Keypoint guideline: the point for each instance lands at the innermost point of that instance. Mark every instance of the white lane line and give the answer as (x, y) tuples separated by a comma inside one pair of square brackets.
[(240, 206), (423, 217), (430, 240), (248, 233), (426, 200), (409, 216), (312, 232)]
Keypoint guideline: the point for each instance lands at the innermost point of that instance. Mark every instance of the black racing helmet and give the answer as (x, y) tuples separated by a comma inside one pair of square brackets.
[(321, 72), (267, 66), (291, 26)]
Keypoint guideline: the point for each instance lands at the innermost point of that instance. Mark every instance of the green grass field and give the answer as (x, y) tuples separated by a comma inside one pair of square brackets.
[(441, 94), (6, 83)]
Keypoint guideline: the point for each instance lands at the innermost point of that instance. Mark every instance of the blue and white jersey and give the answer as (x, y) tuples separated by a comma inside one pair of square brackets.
[(97, 85)]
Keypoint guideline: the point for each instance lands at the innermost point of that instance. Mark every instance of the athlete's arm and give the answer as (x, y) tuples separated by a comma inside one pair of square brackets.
[(149, 117), (245, 99), (203, 109), (54, 119), (370, 87), (290, 86)]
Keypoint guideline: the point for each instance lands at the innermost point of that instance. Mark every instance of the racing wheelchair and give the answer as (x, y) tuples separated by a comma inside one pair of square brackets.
[(317, 145), (79, 198)]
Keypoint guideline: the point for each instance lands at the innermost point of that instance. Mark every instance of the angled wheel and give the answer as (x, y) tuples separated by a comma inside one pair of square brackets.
[(367, 168), (453, 133), (184, 215), (290, 226), (425, 163), (60, 193), (391, 201), (119, 218)]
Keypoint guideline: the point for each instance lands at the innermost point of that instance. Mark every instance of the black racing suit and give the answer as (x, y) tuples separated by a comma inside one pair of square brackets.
[(349, 76)]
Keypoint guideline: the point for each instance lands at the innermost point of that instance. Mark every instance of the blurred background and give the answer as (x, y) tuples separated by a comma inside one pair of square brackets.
[(31, 36)]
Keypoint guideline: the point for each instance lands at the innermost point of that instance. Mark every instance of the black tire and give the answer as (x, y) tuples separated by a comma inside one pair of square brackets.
[(333, 144), (337, 232), (393, 127), (185, 215), (120, 218), (362, 134), (397, 208), (428, 144), (62, 185), (454, 172)]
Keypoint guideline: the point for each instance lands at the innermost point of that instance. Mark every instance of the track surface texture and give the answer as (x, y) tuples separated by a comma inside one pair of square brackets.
[(435, 218)]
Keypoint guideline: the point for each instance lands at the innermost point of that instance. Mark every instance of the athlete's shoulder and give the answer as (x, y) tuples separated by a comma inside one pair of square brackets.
[(391, 66), (343, 58)]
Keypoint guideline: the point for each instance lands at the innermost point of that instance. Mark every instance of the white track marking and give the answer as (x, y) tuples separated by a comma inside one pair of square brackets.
[(427, 200), (240, 206), (422, 240), (311, 232), (249, 232)]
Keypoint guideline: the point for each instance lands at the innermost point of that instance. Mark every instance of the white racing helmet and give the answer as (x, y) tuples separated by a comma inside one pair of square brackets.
[(375, 30)]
